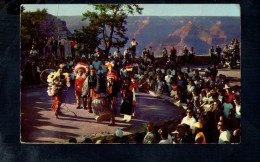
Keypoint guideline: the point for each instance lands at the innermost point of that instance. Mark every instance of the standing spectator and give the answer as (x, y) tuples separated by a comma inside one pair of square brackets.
[(72, 48), (126, 54), (191, 56), (151, 54), (47, 49), (33, 53), (173, 53), (62, 47), (117, 53), (54, 46), (218, 51), (164, 53), (212, 55), (185, 53), (41, 46), (96, 63), (103, 66), (133, 46)]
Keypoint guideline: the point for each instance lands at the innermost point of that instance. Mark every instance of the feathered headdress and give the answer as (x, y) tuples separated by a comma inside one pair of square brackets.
[(110, 65), (112, 74), (52, 87), (129, 68), (80, 67)]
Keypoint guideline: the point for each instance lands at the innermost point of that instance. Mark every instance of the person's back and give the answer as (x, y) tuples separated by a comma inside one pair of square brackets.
[(165, 137), (101, 84), (150, 137), (96, 64)]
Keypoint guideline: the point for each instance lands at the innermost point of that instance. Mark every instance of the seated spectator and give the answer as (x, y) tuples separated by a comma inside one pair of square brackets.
[(199, 137), (236, 136), (150, 137), (224, 137), (181, 135), (165, 137), (168, 81), (227, 106), (237, 107), (174, 89), (189, 119)]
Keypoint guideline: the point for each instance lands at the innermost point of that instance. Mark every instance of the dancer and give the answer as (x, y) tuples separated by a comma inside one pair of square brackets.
[(127, 99), (89, 90), (57, 81), (112, 88), (79, 70), (133, 86)]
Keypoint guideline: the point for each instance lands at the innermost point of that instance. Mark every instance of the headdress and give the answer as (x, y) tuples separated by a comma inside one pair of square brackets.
[(129, 68), (93, 70), (110, 65), (62, 66), (80, 67), (112, 74)]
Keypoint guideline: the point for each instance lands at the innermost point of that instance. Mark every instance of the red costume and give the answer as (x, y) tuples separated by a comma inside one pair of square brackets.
[(80, 70)]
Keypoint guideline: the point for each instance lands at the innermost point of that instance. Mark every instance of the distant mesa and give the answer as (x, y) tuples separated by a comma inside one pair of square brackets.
[(166, 31)]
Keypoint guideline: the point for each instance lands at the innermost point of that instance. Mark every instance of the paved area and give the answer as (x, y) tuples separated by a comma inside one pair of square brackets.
[(39, 125)]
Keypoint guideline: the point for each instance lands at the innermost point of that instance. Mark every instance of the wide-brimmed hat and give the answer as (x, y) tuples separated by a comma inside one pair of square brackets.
[(226, 86)]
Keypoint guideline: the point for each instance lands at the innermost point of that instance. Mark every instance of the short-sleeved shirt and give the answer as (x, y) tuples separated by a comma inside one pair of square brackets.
[(227, 108), (224, 137), (167, 141), (149, 138)]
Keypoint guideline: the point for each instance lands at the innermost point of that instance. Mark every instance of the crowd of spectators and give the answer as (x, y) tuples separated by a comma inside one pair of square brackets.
[(212, 106)]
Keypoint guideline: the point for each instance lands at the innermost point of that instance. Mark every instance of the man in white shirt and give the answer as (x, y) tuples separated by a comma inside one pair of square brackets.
[(62, 47), (224, 137), (168, 80), (165, 137), (189, 120), (117, 53)]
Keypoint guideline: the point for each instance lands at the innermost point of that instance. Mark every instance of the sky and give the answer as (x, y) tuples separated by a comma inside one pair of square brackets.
[(149, 9)]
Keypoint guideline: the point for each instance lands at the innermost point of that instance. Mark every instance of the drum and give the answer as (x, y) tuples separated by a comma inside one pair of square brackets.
[(101, 109)]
